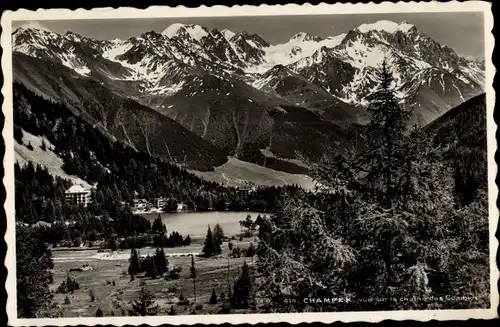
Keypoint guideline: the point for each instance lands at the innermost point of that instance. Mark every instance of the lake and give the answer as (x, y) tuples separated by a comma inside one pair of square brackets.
[(196, 223)]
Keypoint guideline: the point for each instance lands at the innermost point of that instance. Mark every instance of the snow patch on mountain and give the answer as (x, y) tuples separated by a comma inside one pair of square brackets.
[(300, 46), (385, 26), (34, 25), (167, 90), (228, 34), (343, 65), (195, 31)]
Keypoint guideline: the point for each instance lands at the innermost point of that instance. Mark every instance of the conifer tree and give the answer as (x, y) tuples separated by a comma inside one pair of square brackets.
[(213, 297), (134, 266), (210, 246), (402, 171), (218, 234), (154, 270), (172, 311), (242, 297), (217, 247), (230, 247), (192, 274), (161, 261), (158, 225), (384, 132), (43, 146), (99, 313), (145, 305)]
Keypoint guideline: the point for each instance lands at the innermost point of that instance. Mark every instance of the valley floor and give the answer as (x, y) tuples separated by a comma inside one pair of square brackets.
[(116, 300)]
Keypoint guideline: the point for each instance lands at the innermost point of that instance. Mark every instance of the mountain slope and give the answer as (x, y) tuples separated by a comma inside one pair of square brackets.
[(462, 135), (245, 123), (235, 94), (431, 78), (464, 124), (139, 126), (239, 173), (47, 158)]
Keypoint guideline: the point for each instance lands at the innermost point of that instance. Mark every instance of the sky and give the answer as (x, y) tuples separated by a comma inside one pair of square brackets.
[(462, 31)]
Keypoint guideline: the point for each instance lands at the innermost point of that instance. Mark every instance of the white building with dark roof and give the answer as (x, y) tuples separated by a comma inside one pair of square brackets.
[(77, 194)]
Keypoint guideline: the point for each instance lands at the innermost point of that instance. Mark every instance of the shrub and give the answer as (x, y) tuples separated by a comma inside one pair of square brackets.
[(67, 300), (99, 313), (198, 306), (182, 300), (68, 285), (226, 308), (250, 252), (174, 274), (77, 242), (172, 311), (236, 253), (112, 244)]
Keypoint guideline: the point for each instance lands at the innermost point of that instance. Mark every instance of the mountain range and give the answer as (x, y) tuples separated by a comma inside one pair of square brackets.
[(196, 96)]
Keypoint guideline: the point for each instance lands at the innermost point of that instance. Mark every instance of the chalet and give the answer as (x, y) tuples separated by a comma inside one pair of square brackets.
[(160, 202), (78, 194), (181, 206), (244, 192), (140, 204)]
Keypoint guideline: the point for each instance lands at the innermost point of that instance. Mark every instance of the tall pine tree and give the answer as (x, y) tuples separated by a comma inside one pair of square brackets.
[(242, 297), (211, 246), (218, 234), (192, 274), (134, 266), (384, 134)]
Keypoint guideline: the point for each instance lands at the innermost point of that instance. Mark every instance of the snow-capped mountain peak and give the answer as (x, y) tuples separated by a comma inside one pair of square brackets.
[(227, 34), (35, 26), (302, 36), (386, 26), (195, 31), (344, 66)]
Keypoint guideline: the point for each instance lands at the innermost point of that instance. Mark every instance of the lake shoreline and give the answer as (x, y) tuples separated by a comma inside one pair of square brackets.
[(196, 223)]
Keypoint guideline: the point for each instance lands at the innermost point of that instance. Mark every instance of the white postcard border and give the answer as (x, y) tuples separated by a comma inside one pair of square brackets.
[(262, 10)]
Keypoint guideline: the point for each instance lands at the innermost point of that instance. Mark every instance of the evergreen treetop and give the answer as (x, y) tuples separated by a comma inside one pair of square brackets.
[(145, 305)]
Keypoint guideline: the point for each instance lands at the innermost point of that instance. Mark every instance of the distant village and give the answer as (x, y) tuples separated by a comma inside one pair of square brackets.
[(79, 194)]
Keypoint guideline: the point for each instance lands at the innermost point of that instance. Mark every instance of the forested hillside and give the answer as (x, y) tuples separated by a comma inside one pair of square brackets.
[(118, 170), (123, 118)]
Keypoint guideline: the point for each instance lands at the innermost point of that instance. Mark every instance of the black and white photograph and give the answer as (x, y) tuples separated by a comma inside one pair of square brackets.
[(229, 164)]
